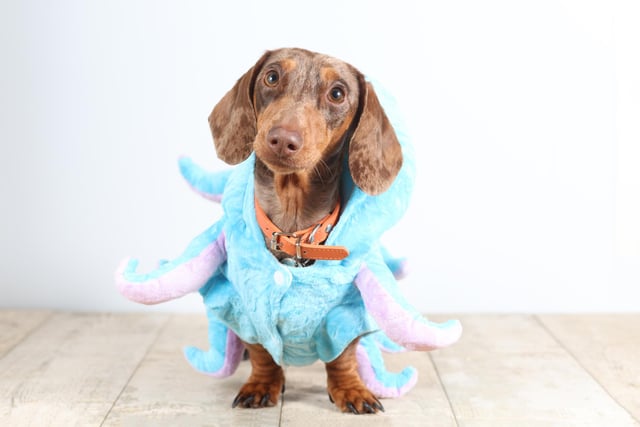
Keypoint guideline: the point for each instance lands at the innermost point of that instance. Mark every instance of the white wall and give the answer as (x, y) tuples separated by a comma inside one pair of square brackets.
[(524, 116)]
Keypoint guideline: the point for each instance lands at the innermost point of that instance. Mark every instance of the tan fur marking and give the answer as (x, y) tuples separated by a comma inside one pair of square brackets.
[(288, 64), (329, 74)]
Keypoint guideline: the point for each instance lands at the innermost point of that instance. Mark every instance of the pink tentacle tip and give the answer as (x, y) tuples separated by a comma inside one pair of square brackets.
[(433, 336), (369, 377), (126, 265), (450, 333), (403, 270)]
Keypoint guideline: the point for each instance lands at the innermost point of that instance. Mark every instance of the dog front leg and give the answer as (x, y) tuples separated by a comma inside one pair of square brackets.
[(345, 387), (265, 383)]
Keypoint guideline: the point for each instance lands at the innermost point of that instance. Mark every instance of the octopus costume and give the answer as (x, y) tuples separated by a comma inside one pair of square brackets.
[(298, 314)]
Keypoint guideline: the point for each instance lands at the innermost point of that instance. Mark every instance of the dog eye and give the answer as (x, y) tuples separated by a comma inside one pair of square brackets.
[(336, 94), (271, 78)]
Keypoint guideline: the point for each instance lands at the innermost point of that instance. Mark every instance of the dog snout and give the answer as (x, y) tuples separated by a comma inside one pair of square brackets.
[(284, 142)]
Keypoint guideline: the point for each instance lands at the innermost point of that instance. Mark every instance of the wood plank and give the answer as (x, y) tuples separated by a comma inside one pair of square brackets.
[(166, 391), (15, 325), (306, 401), (508, 371), (71, 369), (608, 347)]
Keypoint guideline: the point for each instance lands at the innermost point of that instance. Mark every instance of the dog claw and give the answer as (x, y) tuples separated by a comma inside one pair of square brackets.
[(249, 401), (237, 400), (352, 408), (265, 400), (371, 405), (246, 401), (368, 408)]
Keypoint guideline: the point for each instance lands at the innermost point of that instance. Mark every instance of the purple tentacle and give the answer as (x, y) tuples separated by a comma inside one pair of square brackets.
[(399, 323), (373, 382), (217, 362), (172, 279), (234, 350)]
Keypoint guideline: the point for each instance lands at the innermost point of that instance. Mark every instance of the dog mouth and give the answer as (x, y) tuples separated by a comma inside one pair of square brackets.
[(285, 164)]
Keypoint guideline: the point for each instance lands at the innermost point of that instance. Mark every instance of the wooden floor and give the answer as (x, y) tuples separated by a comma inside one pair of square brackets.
[(69, 369)]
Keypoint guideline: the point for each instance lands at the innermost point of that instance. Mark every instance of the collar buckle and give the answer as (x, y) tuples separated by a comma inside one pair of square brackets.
[(275, 242)]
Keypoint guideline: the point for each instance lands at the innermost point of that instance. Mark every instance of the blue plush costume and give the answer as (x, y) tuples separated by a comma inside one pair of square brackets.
[(250, 296)]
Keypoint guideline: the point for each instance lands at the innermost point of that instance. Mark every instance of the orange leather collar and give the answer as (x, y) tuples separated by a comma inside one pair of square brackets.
[(303, 244)]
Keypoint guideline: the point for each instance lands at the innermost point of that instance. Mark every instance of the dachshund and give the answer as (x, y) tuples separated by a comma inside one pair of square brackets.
[(305, 115)]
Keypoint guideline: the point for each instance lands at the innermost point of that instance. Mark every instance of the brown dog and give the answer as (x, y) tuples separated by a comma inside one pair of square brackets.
[(302, 113)]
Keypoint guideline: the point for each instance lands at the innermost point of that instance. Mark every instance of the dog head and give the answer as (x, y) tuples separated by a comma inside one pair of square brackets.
[(297, 108)]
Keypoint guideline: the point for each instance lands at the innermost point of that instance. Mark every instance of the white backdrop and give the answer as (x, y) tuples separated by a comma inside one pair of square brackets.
[(525, 117)]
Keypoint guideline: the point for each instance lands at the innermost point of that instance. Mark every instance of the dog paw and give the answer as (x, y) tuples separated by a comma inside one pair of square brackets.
[(258, 395), (357, 400)]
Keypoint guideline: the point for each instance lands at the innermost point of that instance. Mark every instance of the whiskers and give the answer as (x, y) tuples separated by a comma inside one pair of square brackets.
[(323, 172)]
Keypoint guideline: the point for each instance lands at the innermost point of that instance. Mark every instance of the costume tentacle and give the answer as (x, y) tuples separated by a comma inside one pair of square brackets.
[(224, 355), (173, 279), (399, 320), (385, 344), (209, 185), (373, 373)]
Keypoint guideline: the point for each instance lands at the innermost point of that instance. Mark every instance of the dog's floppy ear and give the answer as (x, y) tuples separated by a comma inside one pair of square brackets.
[(375, 155), (233, 119)]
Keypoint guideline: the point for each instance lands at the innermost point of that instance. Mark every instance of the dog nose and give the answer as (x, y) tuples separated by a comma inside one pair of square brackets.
[(284, 142)]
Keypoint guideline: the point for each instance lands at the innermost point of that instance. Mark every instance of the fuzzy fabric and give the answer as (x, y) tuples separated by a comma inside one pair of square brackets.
[(299, 315)]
